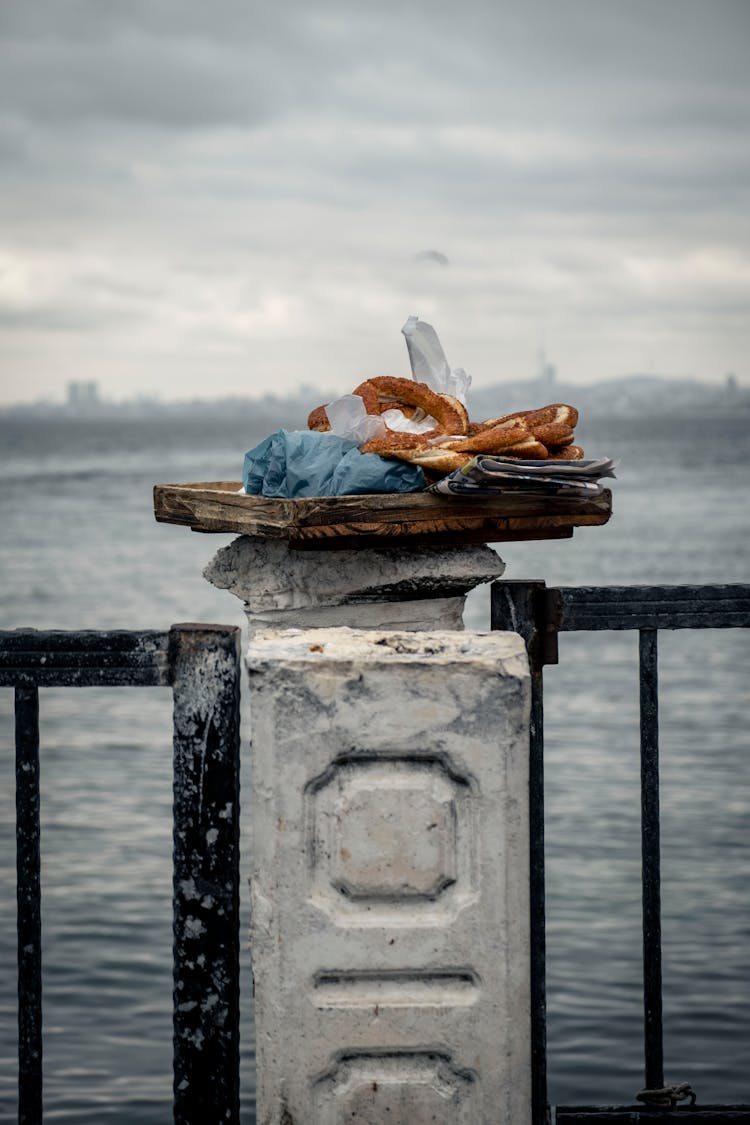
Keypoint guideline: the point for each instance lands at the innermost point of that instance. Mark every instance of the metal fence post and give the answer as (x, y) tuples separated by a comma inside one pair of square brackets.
[(518, 606), (29, 923), (205, 679), (651, 862)]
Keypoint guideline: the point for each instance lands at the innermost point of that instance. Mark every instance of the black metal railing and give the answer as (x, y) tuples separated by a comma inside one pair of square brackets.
[(201, 665), (539, 613)]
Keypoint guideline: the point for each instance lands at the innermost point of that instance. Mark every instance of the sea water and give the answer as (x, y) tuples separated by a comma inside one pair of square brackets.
[(79, 548)]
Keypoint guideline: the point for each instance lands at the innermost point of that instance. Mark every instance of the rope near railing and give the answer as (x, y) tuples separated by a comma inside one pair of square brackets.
[(539, 613), (200, 663)]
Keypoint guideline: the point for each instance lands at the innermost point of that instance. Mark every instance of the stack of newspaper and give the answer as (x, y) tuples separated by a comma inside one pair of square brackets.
[(491, 476)]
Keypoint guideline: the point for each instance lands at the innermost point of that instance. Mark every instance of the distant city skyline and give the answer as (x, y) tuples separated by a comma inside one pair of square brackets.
[(635, 396), (87, 397), (227, 199)]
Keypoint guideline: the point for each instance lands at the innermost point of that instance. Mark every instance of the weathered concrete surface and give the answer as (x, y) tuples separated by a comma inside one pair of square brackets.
[(390, 933), (389, 587)]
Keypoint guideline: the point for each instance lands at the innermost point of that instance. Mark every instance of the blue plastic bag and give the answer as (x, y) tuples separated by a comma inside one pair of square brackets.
[(293, 463)]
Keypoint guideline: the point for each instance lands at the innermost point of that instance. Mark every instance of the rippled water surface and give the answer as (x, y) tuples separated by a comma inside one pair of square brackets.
[(80, 549)]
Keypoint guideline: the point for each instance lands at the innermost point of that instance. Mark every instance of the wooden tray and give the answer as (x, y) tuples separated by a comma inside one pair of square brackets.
[(378, 520)]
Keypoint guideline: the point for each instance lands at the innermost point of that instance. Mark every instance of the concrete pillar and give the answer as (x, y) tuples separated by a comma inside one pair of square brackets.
[(388, 587), (389, 885)]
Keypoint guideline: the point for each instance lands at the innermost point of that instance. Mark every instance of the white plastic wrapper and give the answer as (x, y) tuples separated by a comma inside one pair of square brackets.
[(428, 365), (419, 423), (350, 420), (428, 362)]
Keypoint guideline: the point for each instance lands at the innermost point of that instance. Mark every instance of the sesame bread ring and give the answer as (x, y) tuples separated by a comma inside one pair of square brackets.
[(557, 412), (567, 440), (460, 409), (440, 461), (375, 402), (450, 415), (530, 449), (504, 420), (318, 420), (565, 414), (566, 453), (369, 396), (489, 441), (551, 433), (395, 440)]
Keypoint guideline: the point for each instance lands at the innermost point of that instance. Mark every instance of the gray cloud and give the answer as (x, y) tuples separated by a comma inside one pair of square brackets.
[(434, 256), (229, 184)]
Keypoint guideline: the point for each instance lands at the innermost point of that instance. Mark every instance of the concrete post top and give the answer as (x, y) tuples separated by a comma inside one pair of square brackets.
[(267, 575), (504, 652)]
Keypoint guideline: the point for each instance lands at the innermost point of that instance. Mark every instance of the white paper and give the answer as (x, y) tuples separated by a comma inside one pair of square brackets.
[(419, 423), (428, 362), (347, 414), (350, 420)]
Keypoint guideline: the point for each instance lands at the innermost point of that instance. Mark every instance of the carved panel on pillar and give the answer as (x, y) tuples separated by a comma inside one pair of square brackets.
[(405, 1088), (390, 834)]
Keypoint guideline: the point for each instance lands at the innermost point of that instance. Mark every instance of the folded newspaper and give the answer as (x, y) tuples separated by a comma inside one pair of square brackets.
[(491, 476)]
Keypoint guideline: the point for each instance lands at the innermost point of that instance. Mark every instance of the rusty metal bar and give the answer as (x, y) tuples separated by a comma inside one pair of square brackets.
[(654, 607), (640, 1115), (29, 918), (205, 677), (519, 607), (651, 860), (87, 659)]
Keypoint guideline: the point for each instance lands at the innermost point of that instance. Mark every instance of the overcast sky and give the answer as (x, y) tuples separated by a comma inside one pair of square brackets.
[(233, 197)]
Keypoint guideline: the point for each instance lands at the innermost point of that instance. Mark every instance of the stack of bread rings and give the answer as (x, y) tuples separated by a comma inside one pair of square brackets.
[(544, 434)]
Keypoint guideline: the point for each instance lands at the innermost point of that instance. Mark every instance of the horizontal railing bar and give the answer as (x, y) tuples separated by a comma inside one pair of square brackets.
[(653, 607), (71, 640), (640, 1115), (672, 593), (34, 658), (718, 617)]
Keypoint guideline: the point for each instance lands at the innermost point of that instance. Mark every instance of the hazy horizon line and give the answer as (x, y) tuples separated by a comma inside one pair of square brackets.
[(303, 390)]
